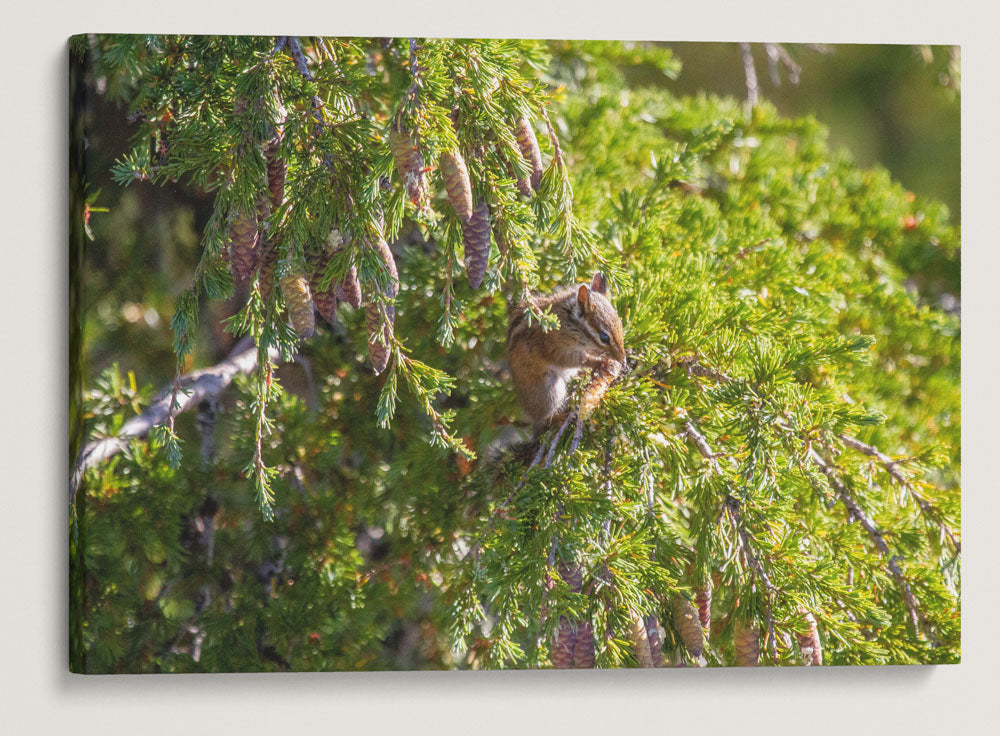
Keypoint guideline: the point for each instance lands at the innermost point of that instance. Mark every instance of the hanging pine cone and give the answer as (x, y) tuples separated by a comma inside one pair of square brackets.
[(295, 290), (378, 348), (268, 261), (563, 644), (268, 265), (746, 641), (381, 249), (572, 575), (640, 640), (243, 237), (476, 236), (528, 143), (584, 656), (703, 599), (324, 299), (523, 182), (655, 641), (409, 162), (457, 184), (348, 289), (276, 169), (687, 625), (809, 643)]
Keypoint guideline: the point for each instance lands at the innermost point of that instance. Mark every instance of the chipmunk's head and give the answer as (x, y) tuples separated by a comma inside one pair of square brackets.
[(599, 318)]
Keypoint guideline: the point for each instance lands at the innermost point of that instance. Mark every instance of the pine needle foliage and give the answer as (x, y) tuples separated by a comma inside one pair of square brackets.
[(785, 434)]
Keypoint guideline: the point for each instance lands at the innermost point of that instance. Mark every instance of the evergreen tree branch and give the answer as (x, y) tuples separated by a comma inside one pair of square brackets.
[(928, 510), (194, 388), (733, 509), (918, 620)]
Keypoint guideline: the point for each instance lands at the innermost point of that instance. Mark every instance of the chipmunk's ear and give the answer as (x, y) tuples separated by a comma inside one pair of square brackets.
[(599, 283), (583, 298)]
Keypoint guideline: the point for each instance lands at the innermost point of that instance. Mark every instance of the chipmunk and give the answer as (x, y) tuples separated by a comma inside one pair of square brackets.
[(589, 333)]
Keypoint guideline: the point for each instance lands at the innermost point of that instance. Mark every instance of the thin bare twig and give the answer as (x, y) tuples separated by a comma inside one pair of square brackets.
[(777, 54), (558, 436), (750, 71), (691, 364)]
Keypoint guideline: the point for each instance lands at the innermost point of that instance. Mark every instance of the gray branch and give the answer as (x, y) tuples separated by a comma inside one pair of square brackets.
[(750, 71), (917, 618), (892, 467), (195, 387)]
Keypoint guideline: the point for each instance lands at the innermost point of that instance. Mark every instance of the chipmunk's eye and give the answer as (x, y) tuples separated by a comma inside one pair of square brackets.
[(605, 338)]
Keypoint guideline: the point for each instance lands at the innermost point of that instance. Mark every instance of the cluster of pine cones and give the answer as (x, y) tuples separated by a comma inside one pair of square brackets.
[(252, 250), (474, 216)]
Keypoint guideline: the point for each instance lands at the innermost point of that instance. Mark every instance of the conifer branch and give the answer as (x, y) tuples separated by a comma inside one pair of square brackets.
[(733, 509), (279, 44), (194, 387), (928, 510), (694, 367), (302, 64), (300, 58), (553, 138), (917, 618)]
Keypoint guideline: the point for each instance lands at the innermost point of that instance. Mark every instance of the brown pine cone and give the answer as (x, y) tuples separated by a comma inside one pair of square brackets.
[(409, 162), (584, 656), (295, 290), (476, 236), (563, 644), (378, 349), (640, 640), (348, 289), (703, 599), (523, 183), (572, 575), (243, 241), (276, 170), (457, 184), (746, 641), (268, 250), (687, 625), (324, 299), (809, 643), (655, 642), (528, 143)]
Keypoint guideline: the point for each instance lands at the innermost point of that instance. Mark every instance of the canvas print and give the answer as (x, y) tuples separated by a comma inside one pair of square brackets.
[(431, 353)]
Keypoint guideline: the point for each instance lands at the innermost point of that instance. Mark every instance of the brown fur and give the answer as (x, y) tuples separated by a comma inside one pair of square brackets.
[(542, 362)]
